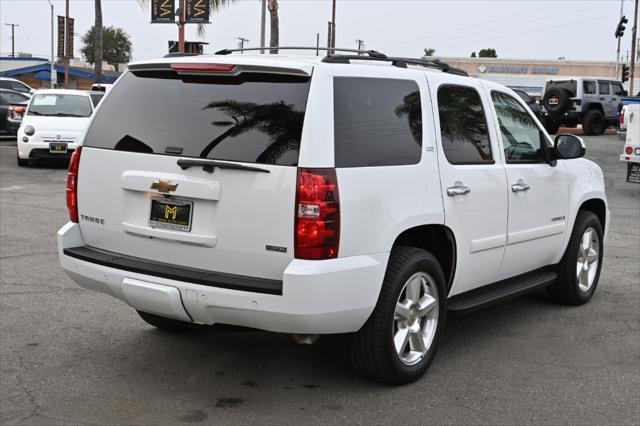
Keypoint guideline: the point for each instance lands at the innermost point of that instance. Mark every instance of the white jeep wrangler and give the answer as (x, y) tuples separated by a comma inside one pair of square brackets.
[(351, 194)]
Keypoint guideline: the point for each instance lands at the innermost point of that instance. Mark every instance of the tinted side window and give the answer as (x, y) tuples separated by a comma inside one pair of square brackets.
[(378, 122), (522, 139), (463, 126), (589, 87), (603, 87)]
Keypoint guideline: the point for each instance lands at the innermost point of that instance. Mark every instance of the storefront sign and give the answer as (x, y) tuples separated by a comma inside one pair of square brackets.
[(511, 69), (163, 11)]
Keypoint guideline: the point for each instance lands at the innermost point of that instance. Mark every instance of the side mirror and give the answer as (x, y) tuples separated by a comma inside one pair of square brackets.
[(567, 147)]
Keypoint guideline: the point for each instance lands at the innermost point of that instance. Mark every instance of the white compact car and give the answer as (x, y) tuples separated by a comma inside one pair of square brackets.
[(53, 124), (365, 195)]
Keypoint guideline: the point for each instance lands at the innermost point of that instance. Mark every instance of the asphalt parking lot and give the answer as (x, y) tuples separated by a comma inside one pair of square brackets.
[(71, 356)]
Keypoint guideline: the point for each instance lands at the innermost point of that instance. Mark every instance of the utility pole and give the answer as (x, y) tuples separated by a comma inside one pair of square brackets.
[(333, 26), (360, 45), (67, 37), (619, 39), (634, 32), (13, 39), (51, 71), (242, 42), (181, 15), (263, 19), (317, 44)]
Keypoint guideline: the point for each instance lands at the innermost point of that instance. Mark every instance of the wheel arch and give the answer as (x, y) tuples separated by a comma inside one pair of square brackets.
[(598, 207), (437, 239), (594, 106)]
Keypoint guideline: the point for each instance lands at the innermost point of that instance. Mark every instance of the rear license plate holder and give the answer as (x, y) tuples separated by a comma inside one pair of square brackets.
[(171, 213), (58, 147)]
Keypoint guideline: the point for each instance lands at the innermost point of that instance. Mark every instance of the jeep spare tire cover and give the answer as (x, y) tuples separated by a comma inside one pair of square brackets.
[(556, 100)]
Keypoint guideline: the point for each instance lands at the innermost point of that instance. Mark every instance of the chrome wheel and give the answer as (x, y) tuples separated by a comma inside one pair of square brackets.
[(588, 259), (416, 318)]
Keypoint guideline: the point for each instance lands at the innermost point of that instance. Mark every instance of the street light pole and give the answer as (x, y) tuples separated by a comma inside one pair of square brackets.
[(263, 19), (66, 45), (632, 73), (619, 38), (52, 63), (180, 26), (333, 26)]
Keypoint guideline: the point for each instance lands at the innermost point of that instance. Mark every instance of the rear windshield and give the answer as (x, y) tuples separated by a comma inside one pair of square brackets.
[(253, 119), (57, 105)]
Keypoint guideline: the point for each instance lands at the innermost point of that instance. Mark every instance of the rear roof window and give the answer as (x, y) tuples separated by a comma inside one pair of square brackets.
[(253, 120)]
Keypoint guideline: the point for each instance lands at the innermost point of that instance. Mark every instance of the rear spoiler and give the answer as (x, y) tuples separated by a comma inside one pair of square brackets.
[(219, 70)]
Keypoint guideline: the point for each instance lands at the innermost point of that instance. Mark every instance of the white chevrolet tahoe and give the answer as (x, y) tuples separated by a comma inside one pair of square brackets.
[(365, 195)]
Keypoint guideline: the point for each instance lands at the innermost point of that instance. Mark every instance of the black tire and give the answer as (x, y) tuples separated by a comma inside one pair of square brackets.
[(556, 100), (567, 288), (593, 123), (373, 352), (22, 162), (167, 324)]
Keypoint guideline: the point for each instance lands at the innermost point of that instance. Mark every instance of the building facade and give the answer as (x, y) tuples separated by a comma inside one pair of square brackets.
[(530, 75)]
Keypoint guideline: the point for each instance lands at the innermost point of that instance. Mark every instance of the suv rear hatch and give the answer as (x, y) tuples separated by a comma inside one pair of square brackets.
[(194, 165)]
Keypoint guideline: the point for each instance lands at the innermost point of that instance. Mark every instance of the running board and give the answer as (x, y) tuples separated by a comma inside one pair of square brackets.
[(503, 290)]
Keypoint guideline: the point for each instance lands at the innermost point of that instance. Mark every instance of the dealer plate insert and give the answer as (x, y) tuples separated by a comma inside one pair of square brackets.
[(171, 213)]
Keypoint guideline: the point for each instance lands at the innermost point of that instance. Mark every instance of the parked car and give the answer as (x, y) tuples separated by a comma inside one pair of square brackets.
[(593, 103), (631, 149), (15, 85), (53, 123), (9, 118), (320, 196)]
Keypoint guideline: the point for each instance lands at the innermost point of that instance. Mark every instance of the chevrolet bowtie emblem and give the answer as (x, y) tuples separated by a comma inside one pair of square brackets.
[(164, 185)]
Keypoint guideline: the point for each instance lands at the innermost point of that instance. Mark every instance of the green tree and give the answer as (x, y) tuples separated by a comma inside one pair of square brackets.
[(429, 51), (97, 58), (473, 55), (487, 53), (116, 46)]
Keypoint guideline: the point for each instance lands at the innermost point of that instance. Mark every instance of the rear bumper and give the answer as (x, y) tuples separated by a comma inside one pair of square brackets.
[(40, 151), (317, 297)]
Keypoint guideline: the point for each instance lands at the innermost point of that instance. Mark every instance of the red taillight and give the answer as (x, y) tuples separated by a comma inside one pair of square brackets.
[(19, 109), (72, 185), (203, 67), (628, 150), (622, 116), (317, 227)]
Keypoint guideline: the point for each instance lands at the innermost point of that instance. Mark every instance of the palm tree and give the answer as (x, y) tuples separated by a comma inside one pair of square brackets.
[(98, 41), (275, 26)]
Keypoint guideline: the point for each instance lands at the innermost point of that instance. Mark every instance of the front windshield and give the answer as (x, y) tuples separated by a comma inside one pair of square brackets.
[(59, 105)]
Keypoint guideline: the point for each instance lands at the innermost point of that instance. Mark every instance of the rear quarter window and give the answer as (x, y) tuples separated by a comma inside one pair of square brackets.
[(378, 122)]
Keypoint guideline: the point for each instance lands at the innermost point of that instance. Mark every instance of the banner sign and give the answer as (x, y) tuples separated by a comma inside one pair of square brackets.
[(70, 38), (163, 11), (197, 12), (60, 36)]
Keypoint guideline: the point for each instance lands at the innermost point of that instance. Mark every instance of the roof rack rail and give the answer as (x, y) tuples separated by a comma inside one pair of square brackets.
[(369, 53), (179, 54), (397, 62)]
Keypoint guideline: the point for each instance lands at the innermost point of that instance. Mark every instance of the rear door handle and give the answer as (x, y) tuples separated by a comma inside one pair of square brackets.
[(520, 186), (458, 190)]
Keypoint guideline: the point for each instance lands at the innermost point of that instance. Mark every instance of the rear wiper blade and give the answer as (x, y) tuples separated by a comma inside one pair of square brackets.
[(64, 114), (209, 165)]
